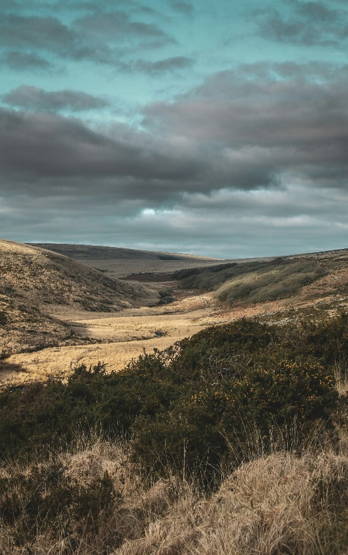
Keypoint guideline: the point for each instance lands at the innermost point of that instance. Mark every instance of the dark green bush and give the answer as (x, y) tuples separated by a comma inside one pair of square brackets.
[(186, 406)]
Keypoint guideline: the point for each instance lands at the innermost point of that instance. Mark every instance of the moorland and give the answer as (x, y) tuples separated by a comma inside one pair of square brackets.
[(171, 404)]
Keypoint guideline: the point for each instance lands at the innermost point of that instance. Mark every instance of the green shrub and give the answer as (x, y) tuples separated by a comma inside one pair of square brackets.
[(183, 408)]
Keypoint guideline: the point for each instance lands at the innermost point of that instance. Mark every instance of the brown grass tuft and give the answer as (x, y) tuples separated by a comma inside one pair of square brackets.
[(275, 505)]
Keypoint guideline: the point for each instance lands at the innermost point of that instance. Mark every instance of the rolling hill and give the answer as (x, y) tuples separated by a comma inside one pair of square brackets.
[(34, 280), (118, 262)]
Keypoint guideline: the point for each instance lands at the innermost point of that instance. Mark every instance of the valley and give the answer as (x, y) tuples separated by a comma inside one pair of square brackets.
[(60, 312)]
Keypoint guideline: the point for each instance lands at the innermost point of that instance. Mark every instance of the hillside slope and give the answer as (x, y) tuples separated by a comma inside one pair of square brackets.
[(33, 280), (95, 252), (118, 262), (256, 281)]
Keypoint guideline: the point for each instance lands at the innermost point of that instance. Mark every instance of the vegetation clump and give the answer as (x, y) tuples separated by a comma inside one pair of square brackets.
[(184, 407), (166, 297)]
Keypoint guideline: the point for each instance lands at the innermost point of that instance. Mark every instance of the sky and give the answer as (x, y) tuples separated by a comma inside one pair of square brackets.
[(212, 128)]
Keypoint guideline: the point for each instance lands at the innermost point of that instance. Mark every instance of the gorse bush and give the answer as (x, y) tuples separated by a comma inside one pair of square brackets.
[(189, 407)]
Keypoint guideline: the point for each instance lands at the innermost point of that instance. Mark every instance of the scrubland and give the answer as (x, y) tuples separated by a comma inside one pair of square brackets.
[(231, 442), (89, 500)]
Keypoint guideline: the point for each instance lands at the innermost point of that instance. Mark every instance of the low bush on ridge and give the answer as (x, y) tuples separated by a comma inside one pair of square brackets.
[(192, 406)]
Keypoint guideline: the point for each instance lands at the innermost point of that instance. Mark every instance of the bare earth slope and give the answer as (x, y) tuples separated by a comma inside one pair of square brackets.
[(34, 281)]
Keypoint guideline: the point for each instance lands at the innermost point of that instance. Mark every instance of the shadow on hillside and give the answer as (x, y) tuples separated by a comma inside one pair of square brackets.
[(10, 370)]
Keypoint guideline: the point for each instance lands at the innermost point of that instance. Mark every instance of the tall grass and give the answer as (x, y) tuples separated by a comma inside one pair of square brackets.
[(90, 500)]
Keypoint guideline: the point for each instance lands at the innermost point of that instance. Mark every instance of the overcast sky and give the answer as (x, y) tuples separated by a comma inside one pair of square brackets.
[(214, 128)]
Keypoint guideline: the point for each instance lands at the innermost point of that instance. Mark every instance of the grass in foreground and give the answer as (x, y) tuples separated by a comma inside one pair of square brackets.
[(90, 501)]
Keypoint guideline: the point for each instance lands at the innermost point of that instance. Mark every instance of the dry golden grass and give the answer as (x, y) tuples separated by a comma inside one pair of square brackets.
[(275, 505), (32, 280)]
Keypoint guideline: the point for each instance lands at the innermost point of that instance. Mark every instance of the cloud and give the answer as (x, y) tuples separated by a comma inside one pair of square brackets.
[(47, 33), (100, 37), (26, 61), (261, 127), (263, 131), (227, 224), (183, 7), (116, 26), (34, 98), (307, 24), (35, 146), (32, 34), (250, 154), (163, 66)]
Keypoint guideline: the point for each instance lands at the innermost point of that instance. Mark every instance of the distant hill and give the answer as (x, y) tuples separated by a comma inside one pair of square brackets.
[(256, 281), (34, 279), (118, 262), (315, 281), (88, 252)]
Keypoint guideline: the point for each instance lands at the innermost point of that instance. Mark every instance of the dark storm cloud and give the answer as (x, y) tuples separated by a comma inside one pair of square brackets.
[(259, 131), (307, 24), (33, 98), (266, 127), (163, 66), (25, 61), (36, 146), (183, 7)]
